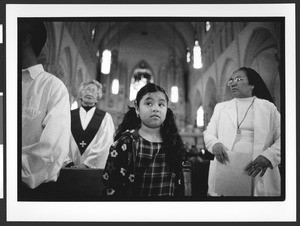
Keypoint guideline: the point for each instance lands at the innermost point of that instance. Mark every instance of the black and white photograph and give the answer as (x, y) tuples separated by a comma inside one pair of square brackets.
[(121, 107)]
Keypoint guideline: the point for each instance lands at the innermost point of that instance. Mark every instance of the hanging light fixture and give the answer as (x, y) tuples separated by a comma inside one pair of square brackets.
[(174, 94), (188, 55), (197, 58), (106, 58), (93, 34), (207, 26), (197, 55), (106, 61), (115, 86), (174, 89)]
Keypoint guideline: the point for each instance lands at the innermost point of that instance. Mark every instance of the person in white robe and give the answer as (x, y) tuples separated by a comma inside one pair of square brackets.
[(45, 111), (92, 130), (244, 136)]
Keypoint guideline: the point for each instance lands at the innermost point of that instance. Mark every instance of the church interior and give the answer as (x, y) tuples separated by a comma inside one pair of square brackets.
[(191, 58)]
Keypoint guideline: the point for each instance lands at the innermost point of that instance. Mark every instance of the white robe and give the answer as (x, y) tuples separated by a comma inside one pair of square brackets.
[(223, 128), (96, 153), (45, 126)]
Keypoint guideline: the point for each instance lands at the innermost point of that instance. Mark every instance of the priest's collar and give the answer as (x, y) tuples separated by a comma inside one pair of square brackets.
[(87, 108)]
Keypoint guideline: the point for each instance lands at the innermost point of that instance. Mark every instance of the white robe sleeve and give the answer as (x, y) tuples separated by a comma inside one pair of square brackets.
[(273, 153), (42, 161), (98, 153), (211, 132)]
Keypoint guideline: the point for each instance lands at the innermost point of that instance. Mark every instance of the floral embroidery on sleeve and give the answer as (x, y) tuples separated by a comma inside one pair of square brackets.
[(118, 172)]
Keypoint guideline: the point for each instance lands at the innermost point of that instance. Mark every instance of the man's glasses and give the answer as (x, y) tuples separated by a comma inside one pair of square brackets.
[(236, 80)]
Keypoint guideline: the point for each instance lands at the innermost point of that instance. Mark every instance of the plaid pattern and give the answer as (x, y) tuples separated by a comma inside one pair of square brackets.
[(151, 177)]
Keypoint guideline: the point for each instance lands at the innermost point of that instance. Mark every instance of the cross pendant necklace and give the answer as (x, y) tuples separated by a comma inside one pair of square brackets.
[(237, 120)]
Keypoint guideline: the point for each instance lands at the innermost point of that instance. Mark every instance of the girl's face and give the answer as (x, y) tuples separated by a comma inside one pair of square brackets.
[(152, 109)]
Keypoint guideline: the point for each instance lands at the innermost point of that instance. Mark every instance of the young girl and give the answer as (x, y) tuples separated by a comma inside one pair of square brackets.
[(146, 158)]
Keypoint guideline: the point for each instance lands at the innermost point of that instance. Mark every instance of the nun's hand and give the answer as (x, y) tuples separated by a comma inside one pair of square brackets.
[(220, 153), (259, 165)]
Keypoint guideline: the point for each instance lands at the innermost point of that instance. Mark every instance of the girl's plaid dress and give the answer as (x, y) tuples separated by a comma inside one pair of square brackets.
[(148, 174)]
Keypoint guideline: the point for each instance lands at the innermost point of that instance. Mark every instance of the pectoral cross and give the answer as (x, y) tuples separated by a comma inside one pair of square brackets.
[(82, 144)]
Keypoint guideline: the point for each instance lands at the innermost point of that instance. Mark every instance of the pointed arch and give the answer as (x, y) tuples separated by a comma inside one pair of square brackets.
[(260, 40), (261, 55), (65, 66), (76, 83), (210, 95)]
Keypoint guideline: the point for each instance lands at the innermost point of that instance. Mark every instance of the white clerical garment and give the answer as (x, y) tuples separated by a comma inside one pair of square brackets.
[(96, 152), (45, 126), (260, 137), (230, 179)]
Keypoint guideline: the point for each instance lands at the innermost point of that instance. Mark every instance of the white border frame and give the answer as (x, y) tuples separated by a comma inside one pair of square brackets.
[(150, 211), (1, 145)]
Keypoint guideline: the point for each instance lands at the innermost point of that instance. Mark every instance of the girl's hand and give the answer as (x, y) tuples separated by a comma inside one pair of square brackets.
[(260, 164), (219, 151)]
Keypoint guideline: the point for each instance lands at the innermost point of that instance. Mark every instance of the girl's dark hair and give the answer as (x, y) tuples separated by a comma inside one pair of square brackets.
[(260, 89), (172, 141)]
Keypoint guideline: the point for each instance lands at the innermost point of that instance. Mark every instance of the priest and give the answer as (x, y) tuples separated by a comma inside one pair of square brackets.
[(92, 130)]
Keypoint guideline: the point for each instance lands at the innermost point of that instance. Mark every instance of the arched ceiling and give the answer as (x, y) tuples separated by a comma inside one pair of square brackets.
[(149, 40)]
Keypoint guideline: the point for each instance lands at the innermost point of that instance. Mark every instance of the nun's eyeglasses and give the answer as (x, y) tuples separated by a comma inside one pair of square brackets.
[(236, 80)]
